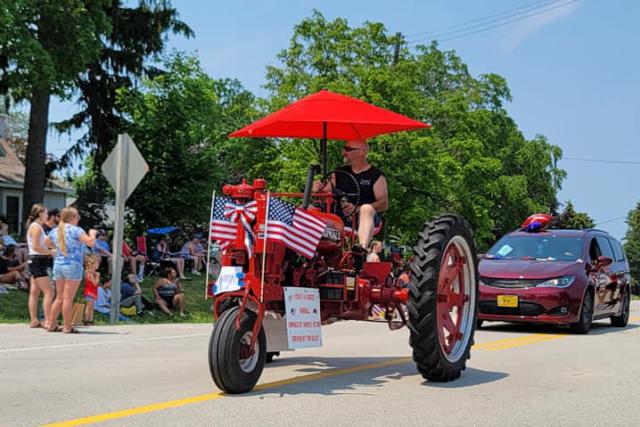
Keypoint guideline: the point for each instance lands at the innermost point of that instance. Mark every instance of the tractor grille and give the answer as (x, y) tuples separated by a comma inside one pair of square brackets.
[(511, 283), (523, 309)]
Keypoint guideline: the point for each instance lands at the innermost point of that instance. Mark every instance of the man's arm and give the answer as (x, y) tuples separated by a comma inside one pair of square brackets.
[(380, 191), (327, 187)]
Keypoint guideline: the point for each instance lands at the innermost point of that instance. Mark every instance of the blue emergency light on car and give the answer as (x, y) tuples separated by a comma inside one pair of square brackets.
[(536, 222)]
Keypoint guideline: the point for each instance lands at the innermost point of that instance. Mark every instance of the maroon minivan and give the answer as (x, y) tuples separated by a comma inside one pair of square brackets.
[(569, 277)]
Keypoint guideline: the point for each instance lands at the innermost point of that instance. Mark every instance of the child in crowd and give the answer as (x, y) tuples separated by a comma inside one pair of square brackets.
[(91, 280)]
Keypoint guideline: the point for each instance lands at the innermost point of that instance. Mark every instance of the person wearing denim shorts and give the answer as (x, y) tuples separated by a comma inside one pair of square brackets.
[(69, 241)]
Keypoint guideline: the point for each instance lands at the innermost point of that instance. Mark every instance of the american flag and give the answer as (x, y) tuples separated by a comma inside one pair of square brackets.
[(222, 229), (294, 227)]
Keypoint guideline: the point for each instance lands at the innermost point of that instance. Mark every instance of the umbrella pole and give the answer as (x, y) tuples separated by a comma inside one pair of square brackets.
[(323, 149)]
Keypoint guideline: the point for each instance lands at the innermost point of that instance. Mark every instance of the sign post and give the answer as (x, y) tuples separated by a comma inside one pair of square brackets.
[(124, 168)]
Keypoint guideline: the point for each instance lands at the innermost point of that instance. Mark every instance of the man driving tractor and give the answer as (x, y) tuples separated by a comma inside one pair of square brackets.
[(373, 191)]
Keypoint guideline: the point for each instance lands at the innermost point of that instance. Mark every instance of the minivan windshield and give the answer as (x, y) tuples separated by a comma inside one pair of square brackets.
[(547, 247)]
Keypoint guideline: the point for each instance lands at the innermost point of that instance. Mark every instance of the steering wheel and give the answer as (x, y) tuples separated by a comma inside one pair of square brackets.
[(339, 194)]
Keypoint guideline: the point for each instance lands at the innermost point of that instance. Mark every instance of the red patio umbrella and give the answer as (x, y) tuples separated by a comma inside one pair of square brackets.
[(328, 115)]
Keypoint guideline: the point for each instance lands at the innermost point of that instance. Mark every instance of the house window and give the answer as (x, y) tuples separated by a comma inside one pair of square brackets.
[(13, 213)]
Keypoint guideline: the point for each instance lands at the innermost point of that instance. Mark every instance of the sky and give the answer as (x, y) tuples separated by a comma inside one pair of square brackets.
[(572, 67)]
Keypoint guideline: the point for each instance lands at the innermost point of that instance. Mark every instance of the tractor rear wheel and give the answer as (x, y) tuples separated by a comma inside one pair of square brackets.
[(234, 367), (443, 298)]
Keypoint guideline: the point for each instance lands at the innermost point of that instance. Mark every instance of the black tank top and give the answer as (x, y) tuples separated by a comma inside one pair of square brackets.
[(366, 179)]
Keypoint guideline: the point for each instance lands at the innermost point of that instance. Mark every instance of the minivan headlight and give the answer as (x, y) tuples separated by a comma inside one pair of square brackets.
[(559, 282)]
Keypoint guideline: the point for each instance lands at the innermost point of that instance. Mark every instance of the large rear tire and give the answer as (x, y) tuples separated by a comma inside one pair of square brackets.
[(443, 298), (233, 368)]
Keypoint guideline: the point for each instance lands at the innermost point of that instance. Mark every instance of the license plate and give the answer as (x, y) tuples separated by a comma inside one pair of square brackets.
[(507, 300)]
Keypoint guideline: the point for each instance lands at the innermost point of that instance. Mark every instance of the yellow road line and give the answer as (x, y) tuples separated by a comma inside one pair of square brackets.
[(517, 342), (139, 410), (489, 346)]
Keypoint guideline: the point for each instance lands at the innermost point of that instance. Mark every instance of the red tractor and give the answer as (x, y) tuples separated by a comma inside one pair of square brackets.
[(439, 304), (441, 298)]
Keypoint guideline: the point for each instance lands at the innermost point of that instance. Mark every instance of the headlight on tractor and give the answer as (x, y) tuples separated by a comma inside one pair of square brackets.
[(560, 282)]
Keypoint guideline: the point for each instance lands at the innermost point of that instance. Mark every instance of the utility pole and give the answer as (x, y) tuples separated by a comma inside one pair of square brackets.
[(396, 48), (555, 204)]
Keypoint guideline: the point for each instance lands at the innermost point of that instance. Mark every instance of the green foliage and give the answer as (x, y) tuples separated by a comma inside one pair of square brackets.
[(180, 120), (569, 219), (474, 160), (45, 43), (126, 55), (632, 242)]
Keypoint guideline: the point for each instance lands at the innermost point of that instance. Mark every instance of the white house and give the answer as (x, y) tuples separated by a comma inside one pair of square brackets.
[(56, 193)]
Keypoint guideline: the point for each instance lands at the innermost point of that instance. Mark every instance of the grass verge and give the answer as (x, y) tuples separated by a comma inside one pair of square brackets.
[(13, 305)]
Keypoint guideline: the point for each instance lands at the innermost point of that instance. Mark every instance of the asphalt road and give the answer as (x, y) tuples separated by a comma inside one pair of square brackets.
[(158, 375)]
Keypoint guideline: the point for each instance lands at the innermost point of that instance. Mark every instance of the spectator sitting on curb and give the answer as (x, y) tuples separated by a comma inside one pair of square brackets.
[(168, 292), (133, 258), (131, 294), (103, 303), (165, 254), (12, 274), (197, 253)]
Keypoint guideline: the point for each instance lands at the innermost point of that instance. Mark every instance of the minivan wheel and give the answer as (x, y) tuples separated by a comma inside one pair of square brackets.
[(583, 326), (622, 320)]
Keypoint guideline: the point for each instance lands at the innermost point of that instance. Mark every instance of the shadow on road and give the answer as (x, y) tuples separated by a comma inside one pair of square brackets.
[(357, 382), (599, 327), (470, 377)]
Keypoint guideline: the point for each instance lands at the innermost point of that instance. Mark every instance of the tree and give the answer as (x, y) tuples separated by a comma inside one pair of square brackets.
[(44, 45), (632, 242), (569, 219), (474, 161), (16, 127), (127, 54), (180, 121)]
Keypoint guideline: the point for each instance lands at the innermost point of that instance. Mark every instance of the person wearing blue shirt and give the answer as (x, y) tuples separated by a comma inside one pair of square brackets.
[(103, 249), (69, 241), (131, 294)]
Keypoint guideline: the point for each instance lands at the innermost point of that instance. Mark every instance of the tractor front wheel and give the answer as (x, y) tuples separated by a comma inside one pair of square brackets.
[(234, 366), (443, 298)]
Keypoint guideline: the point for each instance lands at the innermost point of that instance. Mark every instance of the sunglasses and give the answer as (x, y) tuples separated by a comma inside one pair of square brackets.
[(350, 149)]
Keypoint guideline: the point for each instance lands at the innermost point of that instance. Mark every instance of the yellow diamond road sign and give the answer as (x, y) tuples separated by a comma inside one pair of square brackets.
[(125, 167)]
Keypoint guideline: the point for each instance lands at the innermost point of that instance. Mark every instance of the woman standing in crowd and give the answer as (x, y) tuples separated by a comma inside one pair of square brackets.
[(39, 261), (68, 240)]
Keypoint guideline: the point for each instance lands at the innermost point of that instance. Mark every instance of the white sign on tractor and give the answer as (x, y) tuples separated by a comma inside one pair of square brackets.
[(303, 317)]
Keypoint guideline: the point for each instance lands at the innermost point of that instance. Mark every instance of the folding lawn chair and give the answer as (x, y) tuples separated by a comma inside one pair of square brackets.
[(153, 265)]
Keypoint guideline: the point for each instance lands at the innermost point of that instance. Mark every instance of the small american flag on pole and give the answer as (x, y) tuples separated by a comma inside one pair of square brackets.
[(294, 227), (222, 229)]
